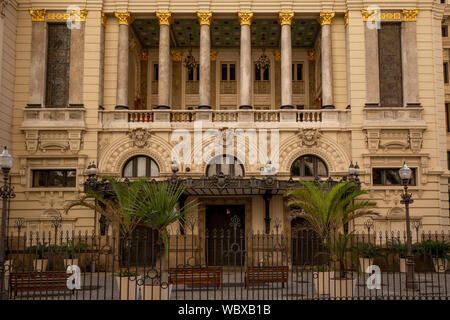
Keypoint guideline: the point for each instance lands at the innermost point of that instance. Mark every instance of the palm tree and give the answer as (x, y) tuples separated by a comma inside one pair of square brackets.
[(329, 209), (117, 210)]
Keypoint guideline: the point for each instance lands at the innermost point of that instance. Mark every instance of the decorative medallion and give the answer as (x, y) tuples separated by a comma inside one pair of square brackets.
[(164, 17), (285, 17), (245, 17), (123, 17), (37, 14), (309, 137), (410, 14), (139, 137), (204, 17), (326, 17)]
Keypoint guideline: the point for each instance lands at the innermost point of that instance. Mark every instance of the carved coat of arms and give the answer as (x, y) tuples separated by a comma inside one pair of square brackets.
[(309, 137), (139, 137)]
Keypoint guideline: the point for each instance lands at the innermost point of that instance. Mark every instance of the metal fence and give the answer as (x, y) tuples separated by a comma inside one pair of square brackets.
[(220, 265)]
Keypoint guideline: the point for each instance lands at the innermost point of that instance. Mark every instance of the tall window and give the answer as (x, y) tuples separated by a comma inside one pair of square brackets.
[(297, 71), (447, 120), (390, 60), (194, 74), (261, 75), (226, 164), (390, 177), (228, 72), (139, 167), (54, 178), (155, 72), (309, 166), (58, 65), (445, 72)]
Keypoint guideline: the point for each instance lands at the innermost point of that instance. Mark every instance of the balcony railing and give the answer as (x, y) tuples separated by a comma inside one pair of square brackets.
[(158, 118)]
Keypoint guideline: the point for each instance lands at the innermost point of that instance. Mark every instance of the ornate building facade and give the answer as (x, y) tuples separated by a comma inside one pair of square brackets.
[(310, 86)]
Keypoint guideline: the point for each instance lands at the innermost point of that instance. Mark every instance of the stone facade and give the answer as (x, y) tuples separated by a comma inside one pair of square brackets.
[(115, 71)]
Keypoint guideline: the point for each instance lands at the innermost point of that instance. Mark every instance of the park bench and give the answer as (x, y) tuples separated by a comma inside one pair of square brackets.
[(37, 281), (266, 274), (196, 275)]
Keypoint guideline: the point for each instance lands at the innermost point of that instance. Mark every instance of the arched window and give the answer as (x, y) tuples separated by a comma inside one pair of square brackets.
[(226, 164), (139, 167), (309, 166)]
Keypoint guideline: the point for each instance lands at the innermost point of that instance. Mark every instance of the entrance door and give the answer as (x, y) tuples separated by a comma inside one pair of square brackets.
[(225, 240)]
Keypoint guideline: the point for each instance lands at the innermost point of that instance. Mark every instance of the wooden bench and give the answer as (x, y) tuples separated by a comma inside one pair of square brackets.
[(266, 274), (196, 275), (37, 281)]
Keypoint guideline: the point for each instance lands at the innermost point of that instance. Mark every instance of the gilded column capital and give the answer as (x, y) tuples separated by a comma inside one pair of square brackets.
[(144, 55), (346, 18), (104, 19), (213, 54), (325, 17), (285, 17), (277, 55), (83, 14), (311, 55), (177, 55), (410, 15), (245, 17), (37, 14), (366, 14), (123, 17), (204, 17), (164, 17)]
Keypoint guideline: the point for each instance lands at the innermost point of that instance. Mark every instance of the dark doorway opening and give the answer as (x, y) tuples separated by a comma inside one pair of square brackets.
[(225, 235)]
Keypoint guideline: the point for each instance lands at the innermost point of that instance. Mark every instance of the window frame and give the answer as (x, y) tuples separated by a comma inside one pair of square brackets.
[(47, 176), (414, 177), (316, 160), (134, 169), (295, 66), (232, 171)]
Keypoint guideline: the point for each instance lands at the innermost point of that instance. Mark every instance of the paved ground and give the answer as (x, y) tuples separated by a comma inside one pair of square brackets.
[(102, 286)]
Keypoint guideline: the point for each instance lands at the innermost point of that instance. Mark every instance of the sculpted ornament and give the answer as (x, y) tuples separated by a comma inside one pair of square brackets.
[(309, 137), (139, 137)]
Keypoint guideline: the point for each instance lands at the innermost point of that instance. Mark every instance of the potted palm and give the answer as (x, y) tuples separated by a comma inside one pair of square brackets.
[(40, 261), (327, 209), (321, 279), (157, 207), (439, 252), (367, 252)]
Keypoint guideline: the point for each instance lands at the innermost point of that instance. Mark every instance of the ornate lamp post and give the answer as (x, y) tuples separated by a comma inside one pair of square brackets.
[(6, 192), (405, 176)]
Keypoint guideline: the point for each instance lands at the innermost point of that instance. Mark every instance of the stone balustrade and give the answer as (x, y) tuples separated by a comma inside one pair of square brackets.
[(258, 118), (54, 117)]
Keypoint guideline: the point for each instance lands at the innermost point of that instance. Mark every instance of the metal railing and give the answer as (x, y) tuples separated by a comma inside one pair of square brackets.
[(220, 265)]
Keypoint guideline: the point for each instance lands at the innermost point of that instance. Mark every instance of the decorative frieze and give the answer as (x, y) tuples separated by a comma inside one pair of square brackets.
[(57, 140), (392, 139)]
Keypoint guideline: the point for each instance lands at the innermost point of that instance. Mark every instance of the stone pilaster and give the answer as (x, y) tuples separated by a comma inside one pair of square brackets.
[(285, 20), (245, 20), (204, 19), (165, 19), (372, 64), (409, 58), (325, 19), (38, 58), (77, 63), (122, 63)]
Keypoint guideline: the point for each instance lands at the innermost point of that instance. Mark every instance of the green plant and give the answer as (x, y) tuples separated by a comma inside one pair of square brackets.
[(40, 250), (436, 249), (328, 209), (396, 246), (369, 250), (127, 272), (72, 251)]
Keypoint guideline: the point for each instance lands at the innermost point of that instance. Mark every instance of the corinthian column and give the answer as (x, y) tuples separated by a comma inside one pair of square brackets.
[(204, 19), (285, 20), (325, 19), (122, 63), (245, 20), (409, 58), (165, 19)]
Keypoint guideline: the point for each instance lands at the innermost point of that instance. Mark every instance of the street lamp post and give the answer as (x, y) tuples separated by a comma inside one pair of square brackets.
[(405, 176), (6, 192)]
